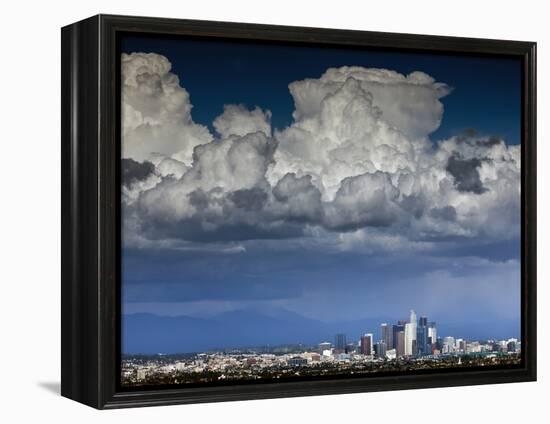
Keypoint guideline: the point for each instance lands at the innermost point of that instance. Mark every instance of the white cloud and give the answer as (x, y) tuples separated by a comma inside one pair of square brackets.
[(409, 103), (167, 166), (156, 111), (238, 120), (356, 157), (219, 168), (345, 136)]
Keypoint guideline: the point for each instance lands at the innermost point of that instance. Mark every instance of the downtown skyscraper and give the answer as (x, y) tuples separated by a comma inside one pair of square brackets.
[(410, 335), (415, 337), (366, 344), (386, 335), (396, 329), (340, 342)]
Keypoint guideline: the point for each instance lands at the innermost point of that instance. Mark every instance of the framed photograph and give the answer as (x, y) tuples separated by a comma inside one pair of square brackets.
[(253, 211)]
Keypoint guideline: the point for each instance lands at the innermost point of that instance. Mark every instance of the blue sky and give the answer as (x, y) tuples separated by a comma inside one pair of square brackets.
[(427, 256)]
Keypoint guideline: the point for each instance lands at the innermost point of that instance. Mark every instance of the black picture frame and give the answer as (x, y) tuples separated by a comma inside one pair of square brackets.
[(90, 139)]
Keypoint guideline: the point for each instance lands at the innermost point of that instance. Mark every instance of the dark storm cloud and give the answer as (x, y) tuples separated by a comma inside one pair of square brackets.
[(466, 174), (199, 199), (447, 213), (471, 137), (349, 279), (414, 204), (133, 171), (491, 141), (252, 199), (364, 200), (212, 229), (298, 199)]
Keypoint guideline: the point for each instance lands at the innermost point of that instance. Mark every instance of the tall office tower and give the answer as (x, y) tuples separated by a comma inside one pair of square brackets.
[(414, 322), (422, 340), (366, 344), (381, 348), (410, 335), (400, 344), (432, 333), (386, 335), (370, 337), (396, 328), (340, 343), (423, 345), (412, 318), (409, 339)]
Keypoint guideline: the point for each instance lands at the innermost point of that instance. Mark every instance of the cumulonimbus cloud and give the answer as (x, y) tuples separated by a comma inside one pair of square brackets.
[(357, 157), (156, 111)]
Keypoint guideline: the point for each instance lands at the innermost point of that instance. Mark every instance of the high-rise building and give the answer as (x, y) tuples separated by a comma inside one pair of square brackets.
[(423, 344), (410, 336), (386, 335), (381, 348), (400, 344), (366, 344), (412, 317), (432, 333), (396, 328), (340, 343), (422, 340)]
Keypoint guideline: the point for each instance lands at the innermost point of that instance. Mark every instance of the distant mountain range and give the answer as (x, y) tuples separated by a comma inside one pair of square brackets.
[(150, 334)]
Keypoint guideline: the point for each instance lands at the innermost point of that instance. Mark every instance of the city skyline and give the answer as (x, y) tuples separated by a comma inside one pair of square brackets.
[(393, 350), (412, 337), (427, 331)]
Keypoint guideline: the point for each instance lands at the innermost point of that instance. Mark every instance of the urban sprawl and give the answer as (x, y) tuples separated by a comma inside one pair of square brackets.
[(405, 346)]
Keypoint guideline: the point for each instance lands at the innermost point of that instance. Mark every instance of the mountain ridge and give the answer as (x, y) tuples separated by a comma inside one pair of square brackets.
[(147, 333)]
